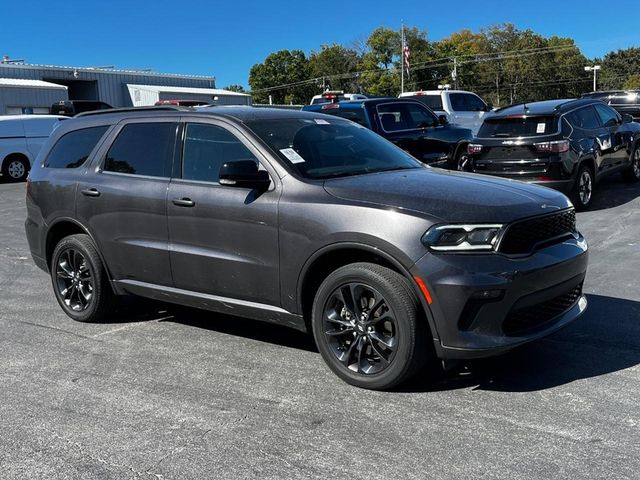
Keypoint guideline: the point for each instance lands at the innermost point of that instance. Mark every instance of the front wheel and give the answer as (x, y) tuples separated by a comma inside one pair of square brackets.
[(583, 189), (367, 326), (80, 280)]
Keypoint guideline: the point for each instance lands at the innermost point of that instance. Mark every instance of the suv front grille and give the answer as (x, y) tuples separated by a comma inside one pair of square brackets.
[(526, 318), (524, 236)]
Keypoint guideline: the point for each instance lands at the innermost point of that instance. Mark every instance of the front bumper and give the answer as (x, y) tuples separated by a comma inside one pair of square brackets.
[(539, 294)]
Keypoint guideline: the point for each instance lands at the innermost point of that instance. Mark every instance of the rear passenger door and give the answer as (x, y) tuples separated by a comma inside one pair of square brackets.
[(123, 200), (620, 138), (223, 239)]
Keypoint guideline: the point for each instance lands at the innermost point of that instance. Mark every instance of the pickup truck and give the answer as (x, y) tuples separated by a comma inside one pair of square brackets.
[(407, 123), (459, 106)]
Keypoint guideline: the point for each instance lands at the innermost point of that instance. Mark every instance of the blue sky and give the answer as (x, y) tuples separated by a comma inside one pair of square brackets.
[(225, 39)]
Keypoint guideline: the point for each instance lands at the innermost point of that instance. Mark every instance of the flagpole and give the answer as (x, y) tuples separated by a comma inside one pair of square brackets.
[(402, 60)]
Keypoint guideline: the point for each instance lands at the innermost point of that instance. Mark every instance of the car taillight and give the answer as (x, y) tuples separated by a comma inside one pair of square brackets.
[(474, 148), (558, 146)]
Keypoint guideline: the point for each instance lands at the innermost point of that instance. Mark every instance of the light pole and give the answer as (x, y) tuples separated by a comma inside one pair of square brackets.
[(593, 69)]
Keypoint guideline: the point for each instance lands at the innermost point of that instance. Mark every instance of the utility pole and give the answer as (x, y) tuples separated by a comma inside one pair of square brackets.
[(454, 74)]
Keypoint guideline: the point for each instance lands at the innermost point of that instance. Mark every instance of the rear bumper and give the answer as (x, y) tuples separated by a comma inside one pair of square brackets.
[(539, 294)]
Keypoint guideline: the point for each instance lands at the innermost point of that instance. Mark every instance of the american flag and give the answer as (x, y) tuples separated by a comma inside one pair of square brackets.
[(406, 53)]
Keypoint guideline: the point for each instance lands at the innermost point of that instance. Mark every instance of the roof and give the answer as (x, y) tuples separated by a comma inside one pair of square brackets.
[(35, 66), (358, 103), (240, 113), (546, 107), (202, 91), (20, 83), (432, 92)]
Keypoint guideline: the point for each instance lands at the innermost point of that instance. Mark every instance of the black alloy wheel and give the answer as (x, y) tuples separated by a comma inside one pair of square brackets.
[(79, 279), (360, 328), (368, 326)]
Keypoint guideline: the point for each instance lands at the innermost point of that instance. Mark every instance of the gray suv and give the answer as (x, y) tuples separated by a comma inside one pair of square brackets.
[(304, 220)]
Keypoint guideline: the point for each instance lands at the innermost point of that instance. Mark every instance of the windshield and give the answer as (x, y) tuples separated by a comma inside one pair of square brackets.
[(520, 126), (320, 149)]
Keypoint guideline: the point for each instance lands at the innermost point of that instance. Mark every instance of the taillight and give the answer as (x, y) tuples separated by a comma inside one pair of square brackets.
[(558, 146), (474, 148)]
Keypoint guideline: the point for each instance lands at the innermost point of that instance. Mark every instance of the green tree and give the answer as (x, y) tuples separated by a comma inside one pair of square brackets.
[(333, 67), (235, 88), (632, 83), (617, 67), (287, 70)]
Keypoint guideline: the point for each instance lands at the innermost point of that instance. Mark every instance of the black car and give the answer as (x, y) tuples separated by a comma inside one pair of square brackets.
[(303, 220), (563, 144), (623, 101), (70, 108), (409, 124)]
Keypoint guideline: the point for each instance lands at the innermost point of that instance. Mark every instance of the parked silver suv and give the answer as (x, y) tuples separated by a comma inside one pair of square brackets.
[(305, 220)]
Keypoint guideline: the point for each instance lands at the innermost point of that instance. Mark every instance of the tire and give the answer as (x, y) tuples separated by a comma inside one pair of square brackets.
[(632, 173), (15, 168), (80, 280), (382, 350), (459, 158), (582, 194)]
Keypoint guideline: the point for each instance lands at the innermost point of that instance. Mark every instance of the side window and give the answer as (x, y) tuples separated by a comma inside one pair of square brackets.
[(393, 117), (143, 149), (73, 148), (585, 118), (207, 148), (466, 102), (353, 115), (420, 117), (607, 115)]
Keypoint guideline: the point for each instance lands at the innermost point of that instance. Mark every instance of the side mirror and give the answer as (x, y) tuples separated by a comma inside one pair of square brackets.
[(626, 118), (244, 174), (489, 107), (443, 119)]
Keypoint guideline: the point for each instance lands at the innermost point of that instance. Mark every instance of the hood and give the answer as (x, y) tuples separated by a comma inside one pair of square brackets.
[(450, 196)]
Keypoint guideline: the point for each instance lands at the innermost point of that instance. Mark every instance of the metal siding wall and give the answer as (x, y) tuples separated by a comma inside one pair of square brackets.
[(111, 86), (29, 97)]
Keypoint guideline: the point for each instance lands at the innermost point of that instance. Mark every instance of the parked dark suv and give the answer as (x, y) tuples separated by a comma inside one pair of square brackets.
[(409, 124), (564, 144), (624, 101), (304, 220)]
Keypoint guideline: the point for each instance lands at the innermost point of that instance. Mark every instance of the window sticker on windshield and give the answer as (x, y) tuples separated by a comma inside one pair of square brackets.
[(292, 155), (321, 121), (541, 127)]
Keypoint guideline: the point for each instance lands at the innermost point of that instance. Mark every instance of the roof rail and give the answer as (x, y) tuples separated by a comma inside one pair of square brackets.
[(130, 109)]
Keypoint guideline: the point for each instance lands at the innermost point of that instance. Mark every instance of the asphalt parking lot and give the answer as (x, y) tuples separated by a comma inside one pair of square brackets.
[(162, 392)]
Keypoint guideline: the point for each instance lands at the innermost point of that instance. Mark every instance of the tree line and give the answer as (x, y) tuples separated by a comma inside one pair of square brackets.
[(502, 63)]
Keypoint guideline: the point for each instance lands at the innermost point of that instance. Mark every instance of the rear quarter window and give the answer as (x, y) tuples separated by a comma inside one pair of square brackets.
[(434, 102), (518, 126), (73, 148)]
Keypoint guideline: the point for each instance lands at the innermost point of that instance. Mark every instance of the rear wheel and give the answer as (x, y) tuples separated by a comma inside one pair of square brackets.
[(583, 189), (633, 172), (15, 168), (80, 280), (367, 327)]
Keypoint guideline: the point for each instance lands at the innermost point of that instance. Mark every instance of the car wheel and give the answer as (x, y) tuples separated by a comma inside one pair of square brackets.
[(633, 172), (583, 189), (80, 280), (367, 326), (15, 168)]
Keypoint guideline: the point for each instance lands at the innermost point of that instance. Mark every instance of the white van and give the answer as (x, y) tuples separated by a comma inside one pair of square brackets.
[(21, 137), (459, 106)]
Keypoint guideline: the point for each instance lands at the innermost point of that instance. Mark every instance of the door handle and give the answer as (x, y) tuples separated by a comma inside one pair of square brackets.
[(90, 192), (183, 202)]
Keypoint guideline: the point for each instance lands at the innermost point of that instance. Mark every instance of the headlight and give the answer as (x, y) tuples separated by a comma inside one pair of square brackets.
[(461, 238)]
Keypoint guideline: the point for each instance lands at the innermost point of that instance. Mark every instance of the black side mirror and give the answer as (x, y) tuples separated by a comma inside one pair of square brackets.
[(443, 119), (626, 118), (244, 174), (489, 107)]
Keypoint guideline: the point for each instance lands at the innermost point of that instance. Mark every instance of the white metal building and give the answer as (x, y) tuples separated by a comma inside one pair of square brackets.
[(144, 95), (19, 96)]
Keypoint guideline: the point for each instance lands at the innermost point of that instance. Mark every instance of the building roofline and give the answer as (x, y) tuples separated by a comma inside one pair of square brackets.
[(35, 66)]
